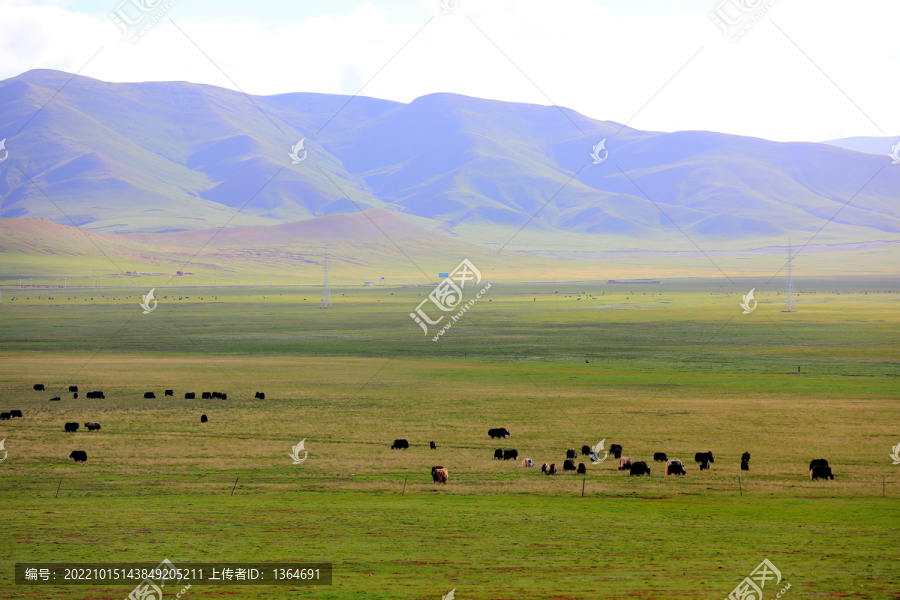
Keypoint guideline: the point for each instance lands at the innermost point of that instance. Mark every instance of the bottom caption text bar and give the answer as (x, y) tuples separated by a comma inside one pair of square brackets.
[(157, 576)]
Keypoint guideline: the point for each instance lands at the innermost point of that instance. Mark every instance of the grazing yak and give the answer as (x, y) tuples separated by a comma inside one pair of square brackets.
[(39, 387), (500, 432), (15, 413), (260, 396), (582, 470), (73, 388), (675, 467), (553, 469), (169, 393), (819, 462), (224, 396), (92, 425), (95, 394), (190, 396), (433, 446), (569, 465), (149, 396), (55, 399), (616, 450), (624, 463), (820, 473), (79, 456), (527, 463), (4, 416), (745, 465), (585, 450), (440, 475), (510, 454), (72, 427), (400, 445), (704, 456), (639, 468), (571, 454), (545, 469), (498, 454), (660, 457), (75, 396), (206, 396), (203, 419), (745, 456), (705, 465), (216, 396)]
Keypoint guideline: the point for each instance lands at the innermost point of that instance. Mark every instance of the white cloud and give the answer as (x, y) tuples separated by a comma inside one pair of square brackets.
[(582, 55)]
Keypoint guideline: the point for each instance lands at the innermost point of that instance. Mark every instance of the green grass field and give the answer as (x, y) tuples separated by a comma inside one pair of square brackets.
[(672, 368)]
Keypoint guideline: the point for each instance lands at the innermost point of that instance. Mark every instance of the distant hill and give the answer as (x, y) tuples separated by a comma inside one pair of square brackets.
[(176, 156), (870, 145)]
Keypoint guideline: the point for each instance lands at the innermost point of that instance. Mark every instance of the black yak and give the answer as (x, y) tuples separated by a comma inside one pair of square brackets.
[(639, 468), (79, 456)]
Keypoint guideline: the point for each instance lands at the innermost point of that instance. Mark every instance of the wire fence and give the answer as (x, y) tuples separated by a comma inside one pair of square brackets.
[(612, 485)]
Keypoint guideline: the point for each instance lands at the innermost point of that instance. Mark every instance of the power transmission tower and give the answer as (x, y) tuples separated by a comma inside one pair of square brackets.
[(326, 288), (790, 304)]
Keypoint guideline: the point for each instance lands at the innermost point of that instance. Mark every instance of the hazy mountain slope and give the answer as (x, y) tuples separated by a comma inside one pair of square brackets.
[(179, 156)]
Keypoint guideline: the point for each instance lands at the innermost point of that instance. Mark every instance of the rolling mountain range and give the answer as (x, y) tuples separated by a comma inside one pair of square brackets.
[(176, 156)]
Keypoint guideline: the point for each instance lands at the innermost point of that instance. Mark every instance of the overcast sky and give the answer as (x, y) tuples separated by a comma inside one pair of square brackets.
[(805, 70)]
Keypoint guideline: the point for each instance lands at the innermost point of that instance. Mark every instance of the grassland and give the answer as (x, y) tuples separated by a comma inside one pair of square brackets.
[(678, 370)]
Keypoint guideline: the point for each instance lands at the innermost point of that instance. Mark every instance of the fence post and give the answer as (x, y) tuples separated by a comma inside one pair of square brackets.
[(235, 485), (57, 488), (582, 486), (740, 487), (404, 485)]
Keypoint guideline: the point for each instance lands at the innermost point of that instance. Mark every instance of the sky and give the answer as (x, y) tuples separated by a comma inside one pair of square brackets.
[(799, 71)]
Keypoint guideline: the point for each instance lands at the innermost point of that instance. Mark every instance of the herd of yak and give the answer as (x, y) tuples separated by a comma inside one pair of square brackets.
[(818, 468), (80, 456)]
